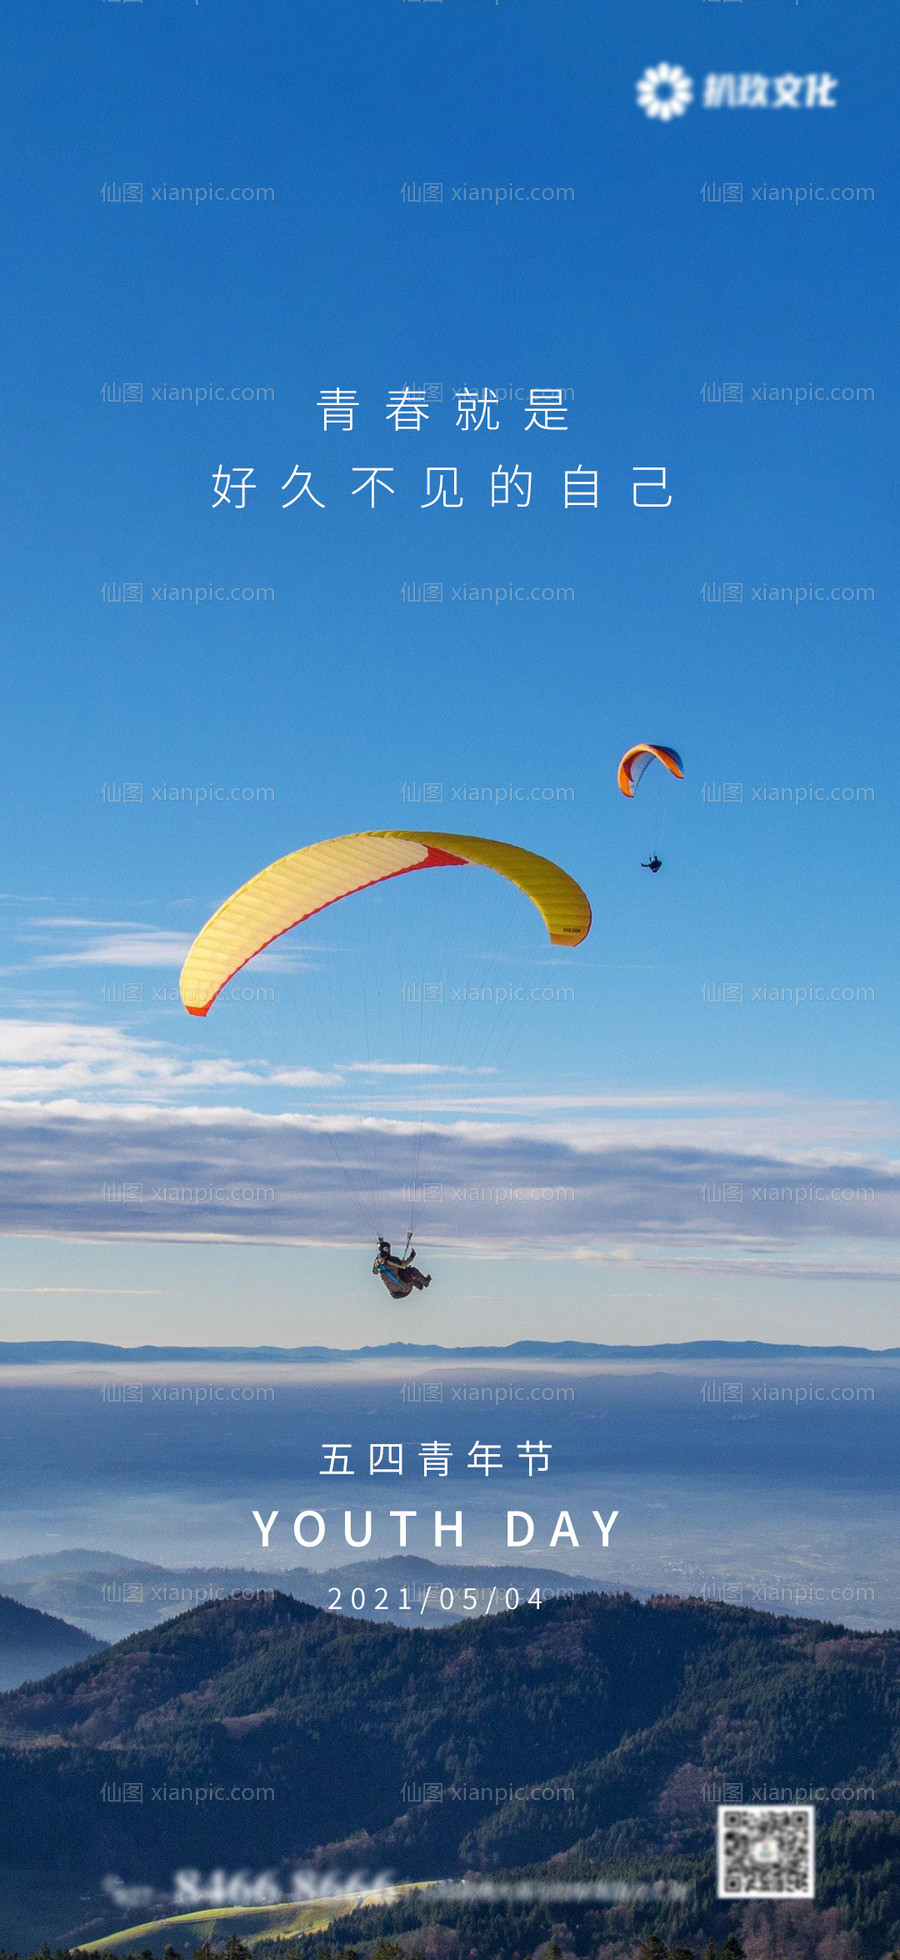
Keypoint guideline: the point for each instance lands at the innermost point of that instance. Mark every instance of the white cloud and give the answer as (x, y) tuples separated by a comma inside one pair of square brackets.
[(149, 946), (47, 1058), (98, 1172), (412, 1068), (793, 1187)]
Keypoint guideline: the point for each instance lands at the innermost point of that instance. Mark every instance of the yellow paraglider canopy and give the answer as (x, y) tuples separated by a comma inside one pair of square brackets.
[(304, 882)]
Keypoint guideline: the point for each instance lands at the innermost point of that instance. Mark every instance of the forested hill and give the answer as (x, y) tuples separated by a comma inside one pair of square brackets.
[(631, 1715)]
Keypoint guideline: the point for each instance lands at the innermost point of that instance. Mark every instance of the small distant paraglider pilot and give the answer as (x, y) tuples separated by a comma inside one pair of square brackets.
[(632, 767), (400, 1276)]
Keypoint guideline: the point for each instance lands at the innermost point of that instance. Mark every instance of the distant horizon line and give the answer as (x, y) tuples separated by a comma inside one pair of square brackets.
[(39, 1352)]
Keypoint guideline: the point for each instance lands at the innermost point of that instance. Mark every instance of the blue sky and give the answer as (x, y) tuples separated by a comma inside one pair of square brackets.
[(634, 293)]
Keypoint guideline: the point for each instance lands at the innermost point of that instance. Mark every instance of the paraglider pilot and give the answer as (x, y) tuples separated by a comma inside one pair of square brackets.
[(400, 1276), (654, 865)]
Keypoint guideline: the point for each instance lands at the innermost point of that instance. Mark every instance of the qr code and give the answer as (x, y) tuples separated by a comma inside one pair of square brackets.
[(767, 1851)]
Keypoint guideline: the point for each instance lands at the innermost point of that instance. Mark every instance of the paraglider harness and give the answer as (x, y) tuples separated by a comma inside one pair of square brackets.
[(393, 1271)]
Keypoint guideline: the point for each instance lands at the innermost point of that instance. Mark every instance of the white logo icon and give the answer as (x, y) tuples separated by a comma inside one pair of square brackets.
[(664, 91)]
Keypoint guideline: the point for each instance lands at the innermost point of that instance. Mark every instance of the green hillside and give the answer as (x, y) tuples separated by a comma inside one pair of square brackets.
[(188, 1930), (590, 1736)]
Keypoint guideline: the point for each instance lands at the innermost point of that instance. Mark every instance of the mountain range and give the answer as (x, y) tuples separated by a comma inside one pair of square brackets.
[(114, 1595), (346, 1744), (21, 1353)]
